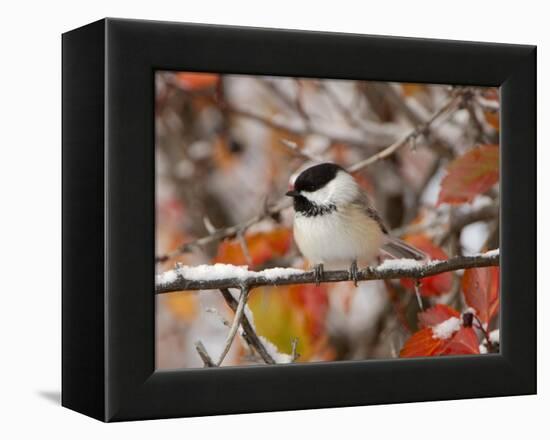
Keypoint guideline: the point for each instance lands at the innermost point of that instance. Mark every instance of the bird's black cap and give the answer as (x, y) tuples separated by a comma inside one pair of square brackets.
[(316, 177)]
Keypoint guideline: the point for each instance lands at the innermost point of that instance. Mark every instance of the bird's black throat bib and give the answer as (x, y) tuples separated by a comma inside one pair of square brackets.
[(309, 209)]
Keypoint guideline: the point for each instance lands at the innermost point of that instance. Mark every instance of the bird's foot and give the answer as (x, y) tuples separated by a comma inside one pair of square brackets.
[(354, 273), (319, 271)]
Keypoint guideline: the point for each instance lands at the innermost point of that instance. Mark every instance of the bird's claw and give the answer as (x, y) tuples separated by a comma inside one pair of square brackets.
[(354, 273), (319, 273)]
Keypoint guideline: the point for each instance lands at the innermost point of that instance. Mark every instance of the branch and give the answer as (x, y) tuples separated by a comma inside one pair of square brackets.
[(455, 223), (249, 334), (232, 231), (207, 360), (223, 276), (239, 313), (451, 104)]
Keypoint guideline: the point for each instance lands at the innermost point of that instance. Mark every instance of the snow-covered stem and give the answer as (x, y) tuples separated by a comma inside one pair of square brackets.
[(390, 269), (249, 334), (272, 211)]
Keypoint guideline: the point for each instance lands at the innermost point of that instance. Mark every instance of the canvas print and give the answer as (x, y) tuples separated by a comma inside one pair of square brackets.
[(323, 220)]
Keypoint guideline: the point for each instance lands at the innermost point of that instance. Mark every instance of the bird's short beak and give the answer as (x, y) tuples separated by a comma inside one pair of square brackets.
[(293, 193)]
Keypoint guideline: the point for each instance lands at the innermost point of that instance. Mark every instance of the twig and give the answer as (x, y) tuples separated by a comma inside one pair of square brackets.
[(344, 111), (294, 352), (178, 282), (235, 325), (293, 148), (455, 222), (249, 334), (350, 136), (244, 247), (485, 333), (417, 286), (420, 130), (458, 222), (488, 105), (206, 359)]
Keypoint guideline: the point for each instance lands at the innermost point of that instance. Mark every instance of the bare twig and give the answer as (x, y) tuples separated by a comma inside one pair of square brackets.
[(294, 352), (458, 222), (488, 105), (235, 325), (244, 247), (417, 286), (249, 334), (418, 270), (455, 222), (349, 136), (451, 104), (293, 148), (206, 359), (344, 111)]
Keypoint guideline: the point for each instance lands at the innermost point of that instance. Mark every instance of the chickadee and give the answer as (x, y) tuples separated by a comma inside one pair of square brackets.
[(335, 224)]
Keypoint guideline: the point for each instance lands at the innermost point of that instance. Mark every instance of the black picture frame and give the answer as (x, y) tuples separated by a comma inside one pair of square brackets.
[(108, 219)]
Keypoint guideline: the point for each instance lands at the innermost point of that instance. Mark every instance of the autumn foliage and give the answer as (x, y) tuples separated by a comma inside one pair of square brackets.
[(223, 157)]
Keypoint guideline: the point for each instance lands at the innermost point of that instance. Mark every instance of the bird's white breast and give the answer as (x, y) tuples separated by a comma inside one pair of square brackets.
[(338, 238)]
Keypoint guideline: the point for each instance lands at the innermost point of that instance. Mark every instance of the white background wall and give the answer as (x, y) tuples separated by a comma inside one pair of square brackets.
[(30, 218)]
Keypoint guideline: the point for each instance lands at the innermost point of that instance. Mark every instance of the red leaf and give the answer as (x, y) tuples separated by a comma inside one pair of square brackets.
[(464, 341), (436, 315), (436, 284), (422, 343), (471, 174), (481, 288), (313, 301)]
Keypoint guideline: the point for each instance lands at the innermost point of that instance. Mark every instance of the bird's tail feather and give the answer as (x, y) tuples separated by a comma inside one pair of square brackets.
[(396, 248)]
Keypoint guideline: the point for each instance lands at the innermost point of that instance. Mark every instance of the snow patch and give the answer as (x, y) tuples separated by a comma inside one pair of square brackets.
[(446, 329), (494, 336), (491, 253), (280, 358), (206, 272), (405, 264), (279, 272), (167, 277)]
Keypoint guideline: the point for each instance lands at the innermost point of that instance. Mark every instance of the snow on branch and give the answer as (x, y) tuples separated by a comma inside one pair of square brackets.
[(224, 276)]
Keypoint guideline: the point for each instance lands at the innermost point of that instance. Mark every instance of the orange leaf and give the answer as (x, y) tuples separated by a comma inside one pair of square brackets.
[(469, 175), (436, 315), (422, 343), (196, 80), (182, 304), (436, 284), (262, 246), (493, 119), (410, 89), (464, 341), (481, 288)]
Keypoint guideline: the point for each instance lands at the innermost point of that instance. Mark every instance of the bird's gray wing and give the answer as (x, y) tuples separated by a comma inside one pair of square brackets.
[(393, 247), (366, 206)]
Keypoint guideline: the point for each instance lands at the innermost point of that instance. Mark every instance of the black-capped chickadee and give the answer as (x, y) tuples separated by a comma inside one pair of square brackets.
[(335, 224)]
